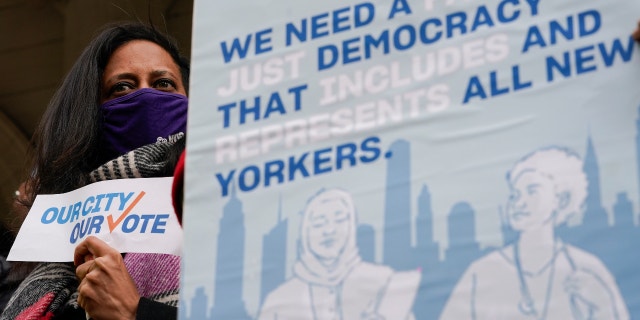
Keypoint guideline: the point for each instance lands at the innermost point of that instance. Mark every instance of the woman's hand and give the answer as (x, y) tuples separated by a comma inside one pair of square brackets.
[(106, 290), (636, 34)]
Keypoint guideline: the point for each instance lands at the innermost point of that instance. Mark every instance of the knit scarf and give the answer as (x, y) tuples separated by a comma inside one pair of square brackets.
[(51, 288)]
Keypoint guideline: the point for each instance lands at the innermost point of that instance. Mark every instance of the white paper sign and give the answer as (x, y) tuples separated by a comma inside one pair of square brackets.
[(131, 215)]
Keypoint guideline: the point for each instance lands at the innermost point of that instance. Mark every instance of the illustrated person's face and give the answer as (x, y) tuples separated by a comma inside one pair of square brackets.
[(533, 201), (140, 64), (329, 229)]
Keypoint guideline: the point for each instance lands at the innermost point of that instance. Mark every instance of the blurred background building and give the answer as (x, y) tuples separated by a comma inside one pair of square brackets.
[(39, 41)]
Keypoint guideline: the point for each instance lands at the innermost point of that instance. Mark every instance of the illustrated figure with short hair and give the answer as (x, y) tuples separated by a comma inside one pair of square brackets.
[(539, 276), (330, 280)]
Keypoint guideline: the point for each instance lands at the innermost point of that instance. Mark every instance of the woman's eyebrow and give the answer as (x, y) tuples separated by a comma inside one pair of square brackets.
[(157, 73), (318, 217), (120, 76)]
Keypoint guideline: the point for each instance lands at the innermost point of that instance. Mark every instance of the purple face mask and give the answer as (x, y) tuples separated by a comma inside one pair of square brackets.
[(140, 118)]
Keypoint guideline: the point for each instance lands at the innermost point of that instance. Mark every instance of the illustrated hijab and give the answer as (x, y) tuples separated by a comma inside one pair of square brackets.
[(308, 267)]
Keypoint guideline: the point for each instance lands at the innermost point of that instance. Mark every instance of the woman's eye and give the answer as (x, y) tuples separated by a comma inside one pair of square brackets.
[(165, 84), (120, 88)]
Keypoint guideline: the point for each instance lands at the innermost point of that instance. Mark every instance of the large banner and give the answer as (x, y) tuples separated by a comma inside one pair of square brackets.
[(413, 159)]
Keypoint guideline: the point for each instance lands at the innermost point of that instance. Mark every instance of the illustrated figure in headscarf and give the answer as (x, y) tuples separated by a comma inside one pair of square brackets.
[(330, 280), (539, 276)]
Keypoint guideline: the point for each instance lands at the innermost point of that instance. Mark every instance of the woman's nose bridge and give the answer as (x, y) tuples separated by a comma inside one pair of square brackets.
[(517, 200), (330, 227), (520, 202), (144, 84)]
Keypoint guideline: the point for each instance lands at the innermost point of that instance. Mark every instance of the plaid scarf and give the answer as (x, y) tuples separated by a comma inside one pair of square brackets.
[(50, 290)]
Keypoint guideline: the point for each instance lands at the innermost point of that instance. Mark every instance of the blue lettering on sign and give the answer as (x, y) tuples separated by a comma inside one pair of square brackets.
[(130, 223), (92, 204), (583, 60), (513, 83), (426, 32), (62, 218), (92, 225), (249, 178), (279, 171), (241, 49), (53, 212), (133, 223), (159, 221), (399, 6), (86, 207), (273, 169), (322, 157), (319, 25), (346, 152), (582, 25), (257, 110), (97, 207), (297, 165), (145, 223)]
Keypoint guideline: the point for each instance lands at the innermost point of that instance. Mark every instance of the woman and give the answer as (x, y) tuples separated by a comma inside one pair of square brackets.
[(119, 113), (330, 280), (539, 276)]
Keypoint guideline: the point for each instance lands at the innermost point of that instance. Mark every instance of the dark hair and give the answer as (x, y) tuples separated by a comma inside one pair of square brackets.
[(65, 143)]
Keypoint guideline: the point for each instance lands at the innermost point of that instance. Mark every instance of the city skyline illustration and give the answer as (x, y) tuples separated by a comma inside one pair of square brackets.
[(609, 239)]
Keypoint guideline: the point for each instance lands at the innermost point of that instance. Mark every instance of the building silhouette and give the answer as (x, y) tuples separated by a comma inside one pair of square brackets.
[(463, 249), (397, 247), (427, 250), (588, 233), (594, 214), (228, 297), (623, 212), (461, 225), (274, 256), (199, 304), (427, 254), (366, 241)]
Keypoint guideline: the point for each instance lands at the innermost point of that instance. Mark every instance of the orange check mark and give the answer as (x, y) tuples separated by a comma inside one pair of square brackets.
[(112, 224)]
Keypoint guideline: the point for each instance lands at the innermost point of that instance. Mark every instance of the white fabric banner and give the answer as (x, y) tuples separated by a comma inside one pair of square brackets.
[(413, 159), (131, 215)]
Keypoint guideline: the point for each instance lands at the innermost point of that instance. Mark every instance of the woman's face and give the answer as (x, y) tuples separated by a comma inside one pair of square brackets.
[(329, 228), (140, 64), (533, 201)]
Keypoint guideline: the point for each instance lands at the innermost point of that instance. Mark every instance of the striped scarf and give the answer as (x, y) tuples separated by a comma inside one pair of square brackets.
[(50, 290)]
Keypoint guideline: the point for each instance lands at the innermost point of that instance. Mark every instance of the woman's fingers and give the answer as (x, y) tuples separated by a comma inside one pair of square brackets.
[(90, 248)]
